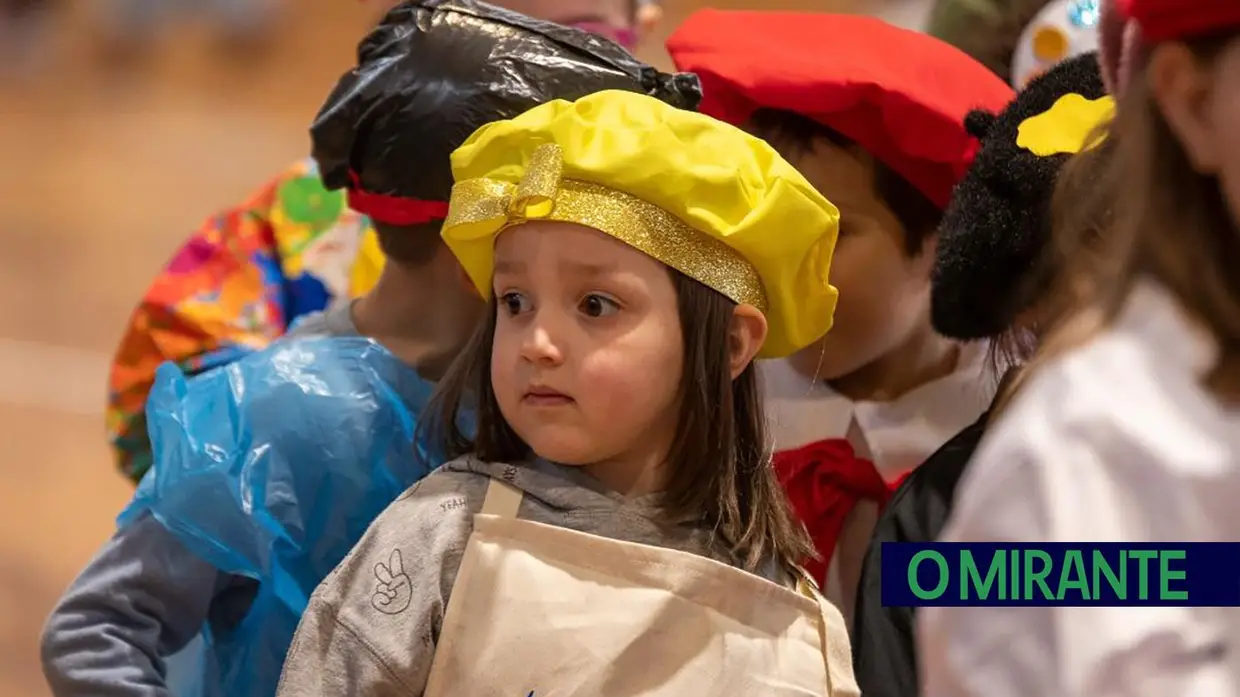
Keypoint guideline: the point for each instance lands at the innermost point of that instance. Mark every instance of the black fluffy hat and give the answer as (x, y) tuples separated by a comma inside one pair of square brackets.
[(998, 223), (434, 71)]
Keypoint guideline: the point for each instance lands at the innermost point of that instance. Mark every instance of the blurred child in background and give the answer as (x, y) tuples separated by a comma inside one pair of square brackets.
[(24, 31), (873, 115), (1128, 428), (292, 249), (243, 26), (988, 30), (1017, 39)]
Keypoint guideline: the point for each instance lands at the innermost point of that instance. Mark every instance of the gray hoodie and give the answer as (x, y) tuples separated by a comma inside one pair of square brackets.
[(354, 640)]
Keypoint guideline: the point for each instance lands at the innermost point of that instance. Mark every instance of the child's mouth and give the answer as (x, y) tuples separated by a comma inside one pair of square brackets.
[(545, 397)]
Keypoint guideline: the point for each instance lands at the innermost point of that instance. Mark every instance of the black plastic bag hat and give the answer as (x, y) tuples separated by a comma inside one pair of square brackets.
[(997, 226), (432, 73)]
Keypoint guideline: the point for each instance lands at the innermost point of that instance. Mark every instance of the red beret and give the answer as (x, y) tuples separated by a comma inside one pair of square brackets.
[(899, 94), (1166, 20)]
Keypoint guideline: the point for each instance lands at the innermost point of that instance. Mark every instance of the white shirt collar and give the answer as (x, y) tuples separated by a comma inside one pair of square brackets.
[(897, 435)]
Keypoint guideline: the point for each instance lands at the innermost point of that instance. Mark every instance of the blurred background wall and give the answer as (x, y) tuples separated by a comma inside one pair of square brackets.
[(111, 151)]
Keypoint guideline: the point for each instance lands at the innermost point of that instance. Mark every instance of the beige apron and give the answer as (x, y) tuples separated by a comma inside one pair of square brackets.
[(542, 611)]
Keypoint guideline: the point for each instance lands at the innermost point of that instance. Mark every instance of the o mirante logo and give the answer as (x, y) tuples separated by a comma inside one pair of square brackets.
[(1067, 574), (1031, 574)]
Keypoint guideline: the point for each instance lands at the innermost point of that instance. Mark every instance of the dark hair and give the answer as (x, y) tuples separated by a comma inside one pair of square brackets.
[(410, 245), (791, 133), (1083, 210), (721, 467), (1174, 227)]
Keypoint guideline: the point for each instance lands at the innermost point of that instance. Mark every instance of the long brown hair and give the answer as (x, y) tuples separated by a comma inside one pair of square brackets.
[(1173, 226), (720, 462), (1082, 221)]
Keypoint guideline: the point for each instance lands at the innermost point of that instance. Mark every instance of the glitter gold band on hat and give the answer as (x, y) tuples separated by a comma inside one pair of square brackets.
[(481, 208), (702, 197)]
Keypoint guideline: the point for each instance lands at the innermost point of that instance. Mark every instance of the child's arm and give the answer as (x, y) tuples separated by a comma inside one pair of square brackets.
[(372, 626), (144, 596)]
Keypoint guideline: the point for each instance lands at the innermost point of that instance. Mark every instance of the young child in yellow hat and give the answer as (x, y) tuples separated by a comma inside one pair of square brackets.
[(615, 526)]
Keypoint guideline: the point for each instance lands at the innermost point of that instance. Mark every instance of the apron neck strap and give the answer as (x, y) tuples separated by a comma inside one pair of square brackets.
[(840, 679), (502, 500), (806, 585)]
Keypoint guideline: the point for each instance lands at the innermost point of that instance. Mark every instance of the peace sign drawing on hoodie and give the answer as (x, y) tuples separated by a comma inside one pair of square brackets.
[(393, 592)]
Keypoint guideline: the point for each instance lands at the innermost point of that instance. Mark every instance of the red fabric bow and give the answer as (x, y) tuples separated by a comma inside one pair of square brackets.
[(824, 481)]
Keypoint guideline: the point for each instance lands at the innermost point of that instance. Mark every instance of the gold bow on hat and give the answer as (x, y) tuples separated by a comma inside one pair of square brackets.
[(482, 207), (492, 200)]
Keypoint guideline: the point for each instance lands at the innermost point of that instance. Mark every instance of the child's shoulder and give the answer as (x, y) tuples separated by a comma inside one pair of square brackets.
[(457, 485), (1136, 385), (430, 522)]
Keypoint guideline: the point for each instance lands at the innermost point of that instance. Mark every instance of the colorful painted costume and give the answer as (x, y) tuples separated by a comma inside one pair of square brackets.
[(269, 469), (237, 285), (1063, 29)]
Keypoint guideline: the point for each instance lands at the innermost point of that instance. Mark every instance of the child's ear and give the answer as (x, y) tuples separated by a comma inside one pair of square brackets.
[(979, 122), (746, 333), (1181, 87), (924, 261)]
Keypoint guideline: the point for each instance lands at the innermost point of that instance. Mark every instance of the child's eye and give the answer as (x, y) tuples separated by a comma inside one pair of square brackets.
[(514, 303), (595, 305)]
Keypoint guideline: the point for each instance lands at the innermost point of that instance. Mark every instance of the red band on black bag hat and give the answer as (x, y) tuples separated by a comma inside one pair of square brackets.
[(393, 210)]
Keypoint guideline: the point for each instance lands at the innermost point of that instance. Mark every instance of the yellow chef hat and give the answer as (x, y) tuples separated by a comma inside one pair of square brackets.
[(703, 197)]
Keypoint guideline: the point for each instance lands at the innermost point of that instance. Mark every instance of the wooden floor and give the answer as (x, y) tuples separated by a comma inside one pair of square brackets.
[(101, 176)]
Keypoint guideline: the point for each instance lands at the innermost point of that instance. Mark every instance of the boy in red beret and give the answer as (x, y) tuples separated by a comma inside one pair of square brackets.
[(873, 115)]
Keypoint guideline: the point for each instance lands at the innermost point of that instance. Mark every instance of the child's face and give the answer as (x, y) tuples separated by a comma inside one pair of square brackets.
[(588, 351), (614, 19), (1225, 104), (1201, 103), (614, 14), (884, 292)]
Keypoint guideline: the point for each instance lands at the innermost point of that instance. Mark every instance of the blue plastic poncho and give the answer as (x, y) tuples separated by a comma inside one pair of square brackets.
[(272, 468)]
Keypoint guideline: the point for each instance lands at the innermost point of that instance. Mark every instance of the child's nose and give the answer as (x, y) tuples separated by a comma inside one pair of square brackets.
[(540, 346)]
